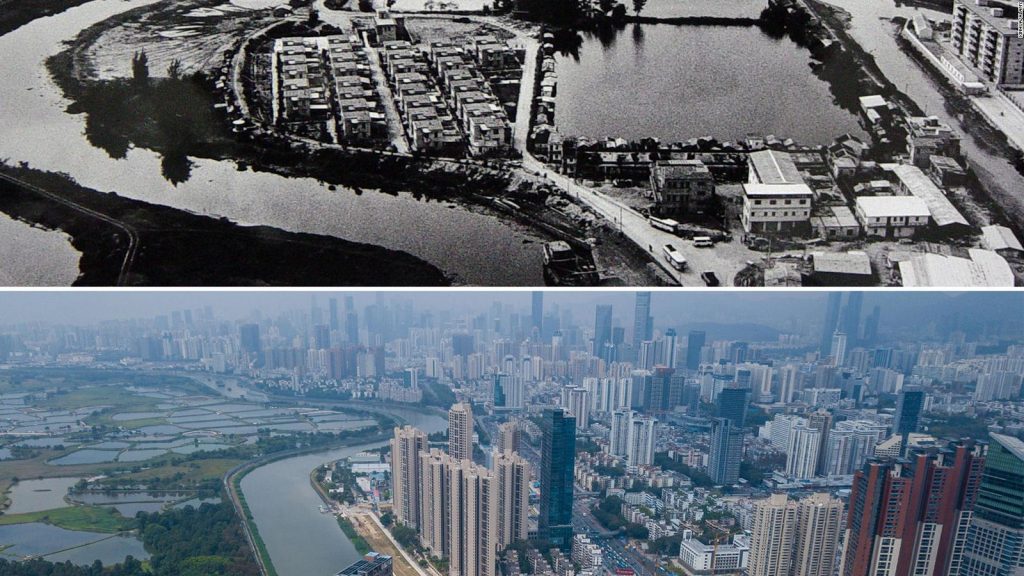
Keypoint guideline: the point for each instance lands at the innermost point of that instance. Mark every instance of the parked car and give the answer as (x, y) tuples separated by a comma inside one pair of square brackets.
[(709, 278)]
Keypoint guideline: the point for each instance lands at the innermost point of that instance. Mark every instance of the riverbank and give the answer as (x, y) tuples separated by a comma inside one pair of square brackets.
[(179, 248), (1004, 203), (233, 478), (16, 13)]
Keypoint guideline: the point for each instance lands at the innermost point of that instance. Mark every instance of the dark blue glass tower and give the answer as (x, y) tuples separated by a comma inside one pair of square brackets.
[(557, 459)]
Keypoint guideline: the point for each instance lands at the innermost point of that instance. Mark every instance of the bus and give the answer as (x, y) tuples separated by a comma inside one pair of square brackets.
[(674, 257), (666, 224)]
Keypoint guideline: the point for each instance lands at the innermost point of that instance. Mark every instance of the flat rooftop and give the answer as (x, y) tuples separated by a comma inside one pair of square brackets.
[(892, 207), (983, 11), (768, 190), (854, 262)]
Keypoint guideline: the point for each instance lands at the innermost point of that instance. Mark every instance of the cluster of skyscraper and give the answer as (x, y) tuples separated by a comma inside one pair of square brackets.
[(952, 512), (467, 513)]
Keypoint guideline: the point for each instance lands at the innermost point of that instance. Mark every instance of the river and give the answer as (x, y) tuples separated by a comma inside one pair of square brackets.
[(31, 256), (871, 27), (302, 541), (35, 128)]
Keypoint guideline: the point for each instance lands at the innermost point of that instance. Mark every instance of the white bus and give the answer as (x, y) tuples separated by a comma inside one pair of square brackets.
[(666, 224), (703, 242), (674, 257)]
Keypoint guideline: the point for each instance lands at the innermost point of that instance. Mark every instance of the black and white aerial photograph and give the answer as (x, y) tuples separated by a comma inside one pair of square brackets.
[(512, 143), (568, 433)]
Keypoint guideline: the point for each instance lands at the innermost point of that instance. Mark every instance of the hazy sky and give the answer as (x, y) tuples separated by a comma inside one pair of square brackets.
[(777, 308)]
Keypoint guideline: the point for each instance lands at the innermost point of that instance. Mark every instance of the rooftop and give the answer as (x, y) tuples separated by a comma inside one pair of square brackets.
[(928, 126), (892, 206), (1000, 238), (873, 101), (772, 167), (1011, 443), (943, 211), (766, 190), (983, 269), (854, 262), (983, 9)]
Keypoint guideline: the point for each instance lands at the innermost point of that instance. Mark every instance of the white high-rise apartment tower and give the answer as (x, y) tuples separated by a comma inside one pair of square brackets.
[(406, 446), (460, 431)]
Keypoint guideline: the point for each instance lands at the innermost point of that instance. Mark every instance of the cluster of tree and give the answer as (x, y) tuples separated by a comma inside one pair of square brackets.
[(437, 394), (204, 541), (405, 536), (40, 567), (560, 12), (668, 545), (613, 471), (699, 479), (609, 513)]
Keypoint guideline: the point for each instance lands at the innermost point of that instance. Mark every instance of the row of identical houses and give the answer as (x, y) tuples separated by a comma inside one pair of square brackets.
[(444, 99), (327, 79)]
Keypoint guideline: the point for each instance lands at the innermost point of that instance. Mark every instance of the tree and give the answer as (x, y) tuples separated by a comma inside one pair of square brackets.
[(174, 73), (140, 68), (638, 7), (314, 17)]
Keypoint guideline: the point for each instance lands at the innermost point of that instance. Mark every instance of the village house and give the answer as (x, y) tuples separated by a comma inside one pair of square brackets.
[(892, 216), (782, 208), (681, 187)]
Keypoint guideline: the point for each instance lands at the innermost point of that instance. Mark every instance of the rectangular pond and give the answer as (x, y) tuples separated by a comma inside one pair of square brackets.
[(680, 82)]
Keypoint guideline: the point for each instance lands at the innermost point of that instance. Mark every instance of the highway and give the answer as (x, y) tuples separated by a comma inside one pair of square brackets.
[(130, 233)]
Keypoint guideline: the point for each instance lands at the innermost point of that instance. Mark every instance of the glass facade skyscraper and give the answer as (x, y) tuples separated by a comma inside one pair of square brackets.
[(557, 461), (995, 539)]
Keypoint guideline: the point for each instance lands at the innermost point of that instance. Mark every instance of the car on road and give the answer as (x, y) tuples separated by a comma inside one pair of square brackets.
[(703, 242), (710, 278)]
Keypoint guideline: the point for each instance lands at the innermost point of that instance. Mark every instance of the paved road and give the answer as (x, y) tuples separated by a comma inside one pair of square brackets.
[(131, 250), (1002, 112), (725, 260)]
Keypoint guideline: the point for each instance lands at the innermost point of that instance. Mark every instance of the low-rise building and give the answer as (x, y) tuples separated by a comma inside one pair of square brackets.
[(373, 564), (980, 269), (1002, 241), (839, 223), (699, 559), (681, 187), (912, 180), (776, 208), (851, 268), (928, 136), (892, 216), (947, 172)]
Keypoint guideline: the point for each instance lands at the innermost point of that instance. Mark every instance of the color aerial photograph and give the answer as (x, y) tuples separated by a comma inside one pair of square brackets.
[(569, 433), (512, 143)]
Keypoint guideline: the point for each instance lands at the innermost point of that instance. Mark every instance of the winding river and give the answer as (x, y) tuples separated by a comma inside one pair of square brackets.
[(302, 541), (35, 128)]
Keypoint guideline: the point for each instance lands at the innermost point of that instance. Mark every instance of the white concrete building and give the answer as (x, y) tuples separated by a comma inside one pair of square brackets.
[(892, 216), (776, 207)]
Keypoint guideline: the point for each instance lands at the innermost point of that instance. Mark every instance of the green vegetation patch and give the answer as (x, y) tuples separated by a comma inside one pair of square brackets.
[(362, 546), (81, 518)]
